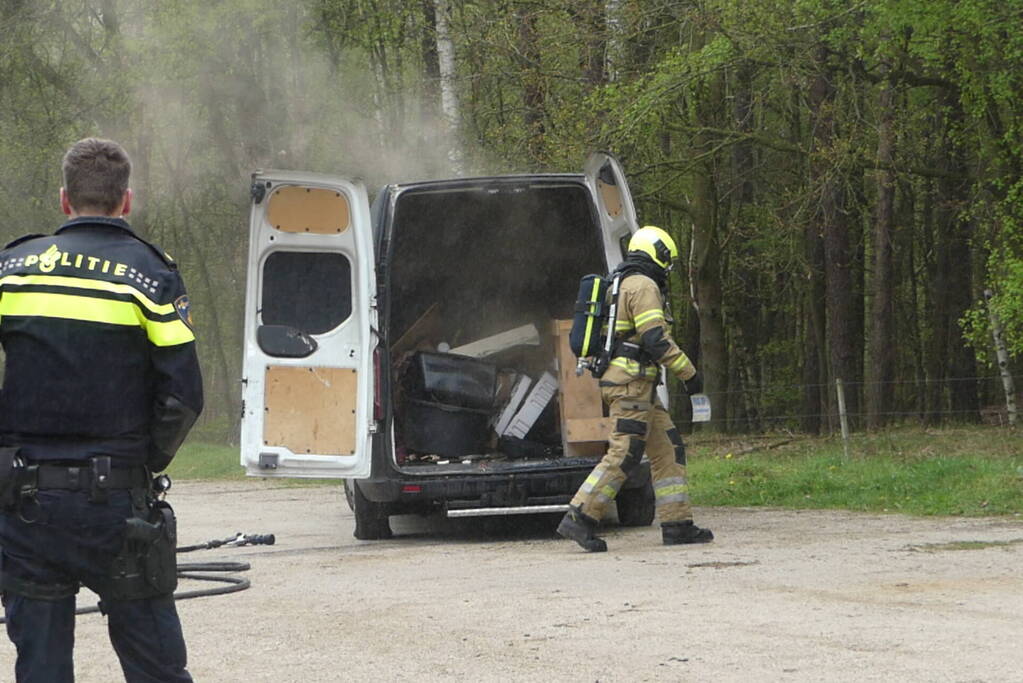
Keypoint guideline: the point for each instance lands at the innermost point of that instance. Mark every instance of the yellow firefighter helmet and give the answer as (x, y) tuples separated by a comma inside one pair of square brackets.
[(655, 243)]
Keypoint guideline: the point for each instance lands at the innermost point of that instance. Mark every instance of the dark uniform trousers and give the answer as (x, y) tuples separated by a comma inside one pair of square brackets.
[(639, 424), (66, 541)]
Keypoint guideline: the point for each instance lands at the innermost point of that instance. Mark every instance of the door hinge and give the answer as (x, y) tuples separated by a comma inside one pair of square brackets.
[(374, 427), (257, 191)]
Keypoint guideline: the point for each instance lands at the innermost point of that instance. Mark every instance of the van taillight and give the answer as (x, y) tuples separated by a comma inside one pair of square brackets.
[(378, 403)]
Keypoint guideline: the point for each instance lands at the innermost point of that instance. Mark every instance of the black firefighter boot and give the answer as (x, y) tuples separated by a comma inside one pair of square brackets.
[(580, 528), (676, 533)]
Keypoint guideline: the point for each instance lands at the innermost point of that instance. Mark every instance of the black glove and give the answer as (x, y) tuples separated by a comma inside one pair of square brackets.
[(694, 384)]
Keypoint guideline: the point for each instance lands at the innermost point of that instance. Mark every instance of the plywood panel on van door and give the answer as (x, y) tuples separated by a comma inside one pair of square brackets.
[(612, 197), (311, 410), (308, 209)]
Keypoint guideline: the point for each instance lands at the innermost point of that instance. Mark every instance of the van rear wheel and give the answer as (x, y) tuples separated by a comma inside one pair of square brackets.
[(371, 519), (636, 506)]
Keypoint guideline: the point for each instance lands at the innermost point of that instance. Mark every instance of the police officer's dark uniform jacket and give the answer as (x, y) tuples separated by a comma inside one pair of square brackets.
[(94, 308), (100, 366)]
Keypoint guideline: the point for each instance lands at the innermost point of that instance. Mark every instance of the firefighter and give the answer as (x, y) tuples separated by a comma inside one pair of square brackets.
[(101, 385), (639, 421)]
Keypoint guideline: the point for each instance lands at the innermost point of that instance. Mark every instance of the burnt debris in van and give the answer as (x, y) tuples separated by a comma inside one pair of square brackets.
[(478, 275)]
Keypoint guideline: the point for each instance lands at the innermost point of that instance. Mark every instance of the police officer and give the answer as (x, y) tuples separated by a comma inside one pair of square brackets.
[(640, 422), (101, 386)]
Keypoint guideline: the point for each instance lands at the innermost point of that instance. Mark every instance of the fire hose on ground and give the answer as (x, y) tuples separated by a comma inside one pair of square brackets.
[(234, 583), (187, 570)]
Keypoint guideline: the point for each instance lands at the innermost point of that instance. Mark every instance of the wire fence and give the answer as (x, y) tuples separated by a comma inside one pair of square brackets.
[(815, 408)]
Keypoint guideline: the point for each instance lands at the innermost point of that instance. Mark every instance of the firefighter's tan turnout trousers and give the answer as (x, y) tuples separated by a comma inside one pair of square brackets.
[(639, 423)]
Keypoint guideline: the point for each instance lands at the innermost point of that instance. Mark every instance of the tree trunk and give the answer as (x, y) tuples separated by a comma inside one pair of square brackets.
[(747, 345), (935, 255), (448, 94), (839, 285), (826, 249), (707, 255), (531, 75), (881, 358), (615, 40), (430, 59), (592, 23), (962, 364), (707, 278), (950, 362)]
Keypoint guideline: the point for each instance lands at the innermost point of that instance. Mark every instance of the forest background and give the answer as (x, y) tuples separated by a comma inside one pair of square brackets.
[(844, 178)]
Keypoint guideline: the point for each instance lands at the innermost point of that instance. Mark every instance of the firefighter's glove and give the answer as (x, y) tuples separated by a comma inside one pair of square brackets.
[(694, 384)]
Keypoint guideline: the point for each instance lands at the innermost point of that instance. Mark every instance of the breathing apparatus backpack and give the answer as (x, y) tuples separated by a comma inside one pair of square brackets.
[(596, 312)]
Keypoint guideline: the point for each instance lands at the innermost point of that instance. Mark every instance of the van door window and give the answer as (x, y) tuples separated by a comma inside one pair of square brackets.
[(310, 291)]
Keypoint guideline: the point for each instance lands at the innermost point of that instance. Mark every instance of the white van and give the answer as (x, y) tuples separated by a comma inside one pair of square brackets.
[(396, 347)]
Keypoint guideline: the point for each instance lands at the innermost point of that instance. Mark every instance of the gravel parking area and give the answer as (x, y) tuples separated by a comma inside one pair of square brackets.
[(780, 595)]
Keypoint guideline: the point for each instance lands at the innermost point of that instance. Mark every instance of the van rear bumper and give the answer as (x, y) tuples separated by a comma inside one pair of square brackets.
[(523, 488)]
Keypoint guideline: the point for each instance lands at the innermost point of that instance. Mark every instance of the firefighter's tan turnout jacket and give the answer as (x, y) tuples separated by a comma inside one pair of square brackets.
[(641, 321)]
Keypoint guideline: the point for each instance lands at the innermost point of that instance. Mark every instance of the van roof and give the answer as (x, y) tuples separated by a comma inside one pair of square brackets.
[(510, 179)]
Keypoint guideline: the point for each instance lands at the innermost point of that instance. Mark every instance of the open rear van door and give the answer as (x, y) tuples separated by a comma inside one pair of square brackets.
[(607, 183), (310, 319)]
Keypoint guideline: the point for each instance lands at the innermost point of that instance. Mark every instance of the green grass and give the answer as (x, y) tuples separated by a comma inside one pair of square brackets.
[(963, 471), (201, 460)]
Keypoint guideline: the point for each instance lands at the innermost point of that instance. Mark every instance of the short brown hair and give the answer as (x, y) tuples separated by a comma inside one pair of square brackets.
[(96, 174)]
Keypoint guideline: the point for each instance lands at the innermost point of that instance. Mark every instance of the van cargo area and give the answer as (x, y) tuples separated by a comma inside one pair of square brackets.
[(477, 276)]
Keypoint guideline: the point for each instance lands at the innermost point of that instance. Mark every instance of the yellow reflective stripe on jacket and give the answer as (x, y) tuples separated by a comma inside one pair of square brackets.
[(90, 309), (633, 367), (170, 333), (676, 365), (85, 283), (71, 307), (623, 325), (648, 316)]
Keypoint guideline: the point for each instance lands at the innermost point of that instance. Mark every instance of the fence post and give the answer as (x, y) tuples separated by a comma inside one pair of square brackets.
[(1003, 360), (843, 418)]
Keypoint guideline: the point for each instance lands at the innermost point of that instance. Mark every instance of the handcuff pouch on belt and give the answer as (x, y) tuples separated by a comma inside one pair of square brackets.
[(147, 566)]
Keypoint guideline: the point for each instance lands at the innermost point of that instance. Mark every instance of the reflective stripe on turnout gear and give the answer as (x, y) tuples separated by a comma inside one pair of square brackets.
[(676, 365), (634, 367), (605, 493), (671, 490), (72, 298), (645, 317)]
